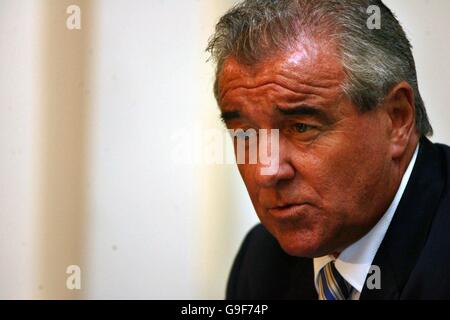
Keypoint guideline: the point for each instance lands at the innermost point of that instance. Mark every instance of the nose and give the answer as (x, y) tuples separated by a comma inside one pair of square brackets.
[(269, 177)]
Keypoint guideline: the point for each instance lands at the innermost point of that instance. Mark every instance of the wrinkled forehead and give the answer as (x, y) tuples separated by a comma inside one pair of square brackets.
[(308, 63)]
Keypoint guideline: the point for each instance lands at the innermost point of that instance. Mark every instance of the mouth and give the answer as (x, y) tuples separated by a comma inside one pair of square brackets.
[(292, 210)]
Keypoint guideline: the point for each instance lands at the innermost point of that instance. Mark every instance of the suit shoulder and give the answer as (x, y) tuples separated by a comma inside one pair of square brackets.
[(259, 245), (262, 270), (430, 279), (258, 236)]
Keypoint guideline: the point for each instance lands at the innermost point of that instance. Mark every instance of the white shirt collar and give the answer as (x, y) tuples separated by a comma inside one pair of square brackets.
[(355, 261)]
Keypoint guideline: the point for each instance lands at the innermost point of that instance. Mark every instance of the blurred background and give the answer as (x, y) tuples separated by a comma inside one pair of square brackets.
[(88, 176)]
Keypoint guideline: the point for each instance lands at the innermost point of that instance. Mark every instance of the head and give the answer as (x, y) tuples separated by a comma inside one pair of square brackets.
[(346, 103)]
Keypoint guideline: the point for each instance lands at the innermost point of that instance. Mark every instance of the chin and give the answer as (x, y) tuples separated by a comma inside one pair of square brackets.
[(302, 250), (301, 237), (300, 246)]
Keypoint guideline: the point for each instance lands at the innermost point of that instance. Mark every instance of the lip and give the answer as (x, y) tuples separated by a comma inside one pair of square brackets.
[(288, 211)]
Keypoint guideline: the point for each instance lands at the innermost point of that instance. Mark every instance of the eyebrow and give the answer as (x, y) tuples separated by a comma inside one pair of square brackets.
[(226, 116), (303, 110)]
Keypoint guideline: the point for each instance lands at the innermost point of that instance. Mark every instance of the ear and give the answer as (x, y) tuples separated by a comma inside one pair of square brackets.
[(400, 108)]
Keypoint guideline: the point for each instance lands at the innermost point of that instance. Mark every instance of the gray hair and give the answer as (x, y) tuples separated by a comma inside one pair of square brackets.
[(374, 60)]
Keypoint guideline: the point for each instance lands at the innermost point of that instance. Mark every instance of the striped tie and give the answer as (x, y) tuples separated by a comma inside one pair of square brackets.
[(331, 285)]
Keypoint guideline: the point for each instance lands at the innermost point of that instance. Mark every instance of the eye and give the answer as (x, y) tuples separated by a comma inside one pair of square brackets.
[(302, 127)]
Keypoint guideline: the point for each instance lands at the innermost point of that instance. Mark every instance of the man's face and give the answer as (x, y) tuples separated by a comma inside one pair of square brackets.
[(333, 182)]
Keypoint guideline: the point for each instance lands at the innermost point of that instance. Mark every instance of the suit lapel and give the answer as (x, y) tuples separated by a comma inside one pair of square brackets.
[(408, 231), (302, 280)]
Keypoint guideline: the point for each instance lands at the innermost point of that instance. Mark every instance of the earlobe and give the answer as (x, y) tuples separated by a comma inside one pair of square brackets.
[(399, 104)]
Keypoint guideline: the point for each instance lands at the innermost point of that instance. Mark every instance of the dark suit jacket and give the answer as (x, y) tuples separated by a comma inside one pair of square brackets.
[(414, 256)]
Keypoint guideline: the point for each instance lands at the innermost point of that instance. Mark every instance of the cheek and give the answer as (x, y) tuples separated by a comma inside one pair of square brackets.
[(247, 172), (342, 169)]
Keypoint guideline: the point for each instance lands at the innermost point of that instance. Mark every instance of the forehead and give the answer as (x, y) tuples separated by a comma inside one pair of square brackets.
[(312, 64)]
